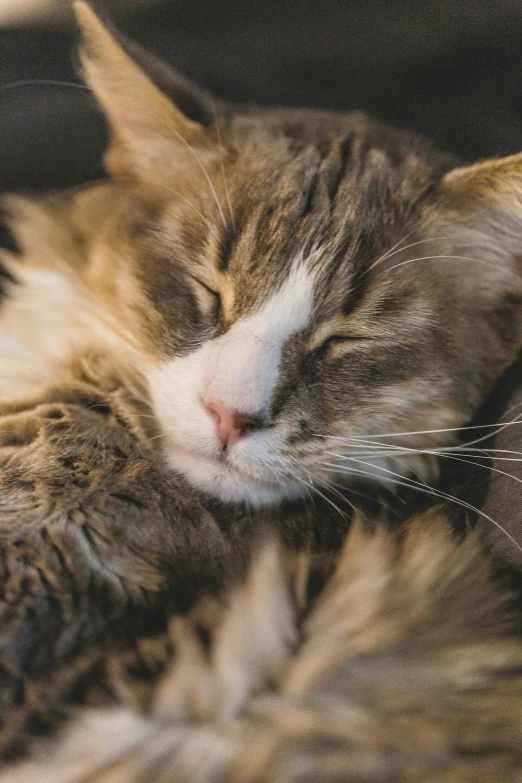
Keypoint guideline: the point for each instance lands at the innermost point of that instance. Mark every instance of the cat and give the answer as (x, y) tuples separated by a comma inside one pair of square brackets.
[(405, 669), (258, 305)]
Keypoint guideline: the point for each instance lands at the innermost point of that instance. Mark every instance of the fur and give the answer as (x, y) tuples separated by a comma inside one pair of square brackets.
[(406, 668), (352, 295)]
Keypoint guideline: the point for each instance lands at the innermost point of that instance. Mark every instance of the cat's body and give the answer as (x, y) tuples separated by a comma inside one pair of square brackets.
[(258, 306), (407, 668)]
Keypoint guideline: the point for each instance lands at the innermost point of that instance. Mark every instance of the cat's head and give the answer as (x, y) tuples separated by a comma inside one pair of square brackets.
[(299, 284)]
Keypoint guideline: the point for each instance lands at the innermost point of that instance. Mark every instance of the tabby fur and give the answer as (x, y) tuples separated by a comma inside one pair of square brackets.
[(406, 668), (339, 287)]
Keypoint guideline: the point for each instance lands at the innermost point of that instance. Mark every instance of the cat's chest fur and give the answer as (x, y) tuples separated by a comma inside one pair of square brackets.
[(41, 322)]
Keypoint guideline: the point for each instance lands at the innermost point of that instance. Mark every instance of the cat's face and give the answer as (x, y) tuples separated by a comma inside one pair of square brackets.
[(294, 281), (281, 329)]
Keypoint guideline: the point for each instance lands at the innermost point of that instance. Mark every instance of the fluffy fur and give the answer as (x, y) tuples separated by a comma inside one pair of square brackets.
[(349, 296), (406, 668)]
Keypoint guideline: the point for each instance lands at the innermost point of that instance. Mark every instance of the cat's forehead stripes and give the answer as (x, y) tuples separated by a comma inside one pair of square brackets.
[(330, 200)]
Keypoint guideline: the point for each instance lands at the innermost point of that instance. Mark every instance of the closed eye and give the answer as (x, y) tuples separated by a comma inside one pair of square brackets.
[(208, 297), (207, 287), (335, 333), (338, 344), (346, 338), (339, 339)]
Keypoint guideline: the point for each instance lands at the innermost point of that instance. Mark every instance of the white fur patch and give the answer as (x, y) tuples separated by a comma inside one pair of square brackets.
[(90, 745), (40, 322), (244, 365), (240, 370)]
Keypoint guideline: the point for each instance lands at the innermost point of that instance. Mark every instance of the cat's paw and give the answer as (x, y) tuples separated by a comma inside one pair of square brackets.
[(76, 473), (53, 455)]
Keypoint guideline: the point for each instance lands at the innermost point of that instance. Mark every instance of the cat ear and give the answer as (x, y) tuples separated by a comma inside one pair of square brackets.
[(496, 179), (484, 202), (147, 128), (194, 101)]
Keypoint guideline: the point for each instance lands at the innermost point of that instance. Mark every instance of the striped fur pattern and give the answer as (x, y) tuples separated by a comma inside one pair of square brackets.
[(323, 280), (98, 545), (406, 668)]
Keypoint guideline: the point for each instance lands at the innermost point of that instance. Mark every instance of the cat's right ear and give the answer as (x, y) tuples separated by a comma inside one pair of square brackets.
[(148, 131)]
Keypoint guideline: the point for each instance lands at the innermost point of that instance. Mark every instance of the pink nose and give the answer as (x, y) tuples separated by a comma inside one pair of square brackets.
[(230, 424)]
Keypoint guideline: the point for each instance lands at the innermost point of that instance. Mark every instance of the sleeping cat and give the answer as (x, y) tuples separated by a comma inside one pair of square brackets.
[(260, 306)]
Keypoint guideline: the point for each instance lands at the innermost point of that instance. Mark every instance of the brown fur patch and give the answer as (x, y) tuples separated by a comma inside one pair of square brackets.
[(405, 668)]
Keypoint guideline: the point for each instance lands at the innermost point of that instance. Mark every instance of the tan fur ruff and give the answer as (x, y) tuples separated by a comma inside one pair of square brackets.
[(404, 669)]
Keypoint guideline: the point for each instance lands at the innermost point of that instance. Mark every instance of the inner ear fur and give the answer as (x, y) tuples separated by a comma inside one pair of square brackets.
[(491, 189), (490, 179), (147, 128), (482, 208)]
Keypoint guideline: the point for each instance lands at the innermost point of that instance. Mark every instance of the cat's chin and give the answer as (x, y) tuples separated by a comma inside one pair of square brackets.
[(225, 482)]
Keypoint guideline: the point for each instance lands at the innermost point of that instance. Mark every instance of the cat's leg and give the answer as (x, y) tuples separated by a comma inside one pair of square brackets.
[(94, 537)]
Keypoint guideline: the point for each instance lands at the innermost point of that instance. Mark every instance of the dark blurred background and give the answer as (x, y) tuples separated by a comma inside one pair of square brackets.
[(449, 69)]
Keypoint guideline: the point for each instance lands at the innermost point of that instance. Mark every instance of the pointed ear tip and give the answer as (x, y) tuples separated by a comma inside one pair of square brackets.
[(82, 10), (486, 172), (86, 18)]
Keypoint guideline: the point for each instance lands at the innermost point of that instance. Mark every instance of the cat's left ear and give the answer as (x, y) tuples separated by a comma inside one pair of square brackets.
[(147, 128), (482, 212)]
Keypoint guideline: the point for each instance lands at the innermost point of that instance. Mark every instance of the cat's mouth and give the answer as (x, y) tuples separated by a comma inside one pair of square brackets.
[(223, 479)]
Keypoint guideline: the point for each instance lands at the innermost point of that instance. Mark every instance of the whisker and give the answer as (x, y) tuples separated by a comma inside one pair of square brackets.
[(307, 488), (492, 454), (376, 449), (436, 454), (328, 500), (497, 427), (411, 484), (154, 437), (391, 251), (466, 444), (353, 491), (43, 83), (450, 257), (223, 174), (185, 200), (313, 488), (396, 249), (200, 164), (328, 486), (399, 451)]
